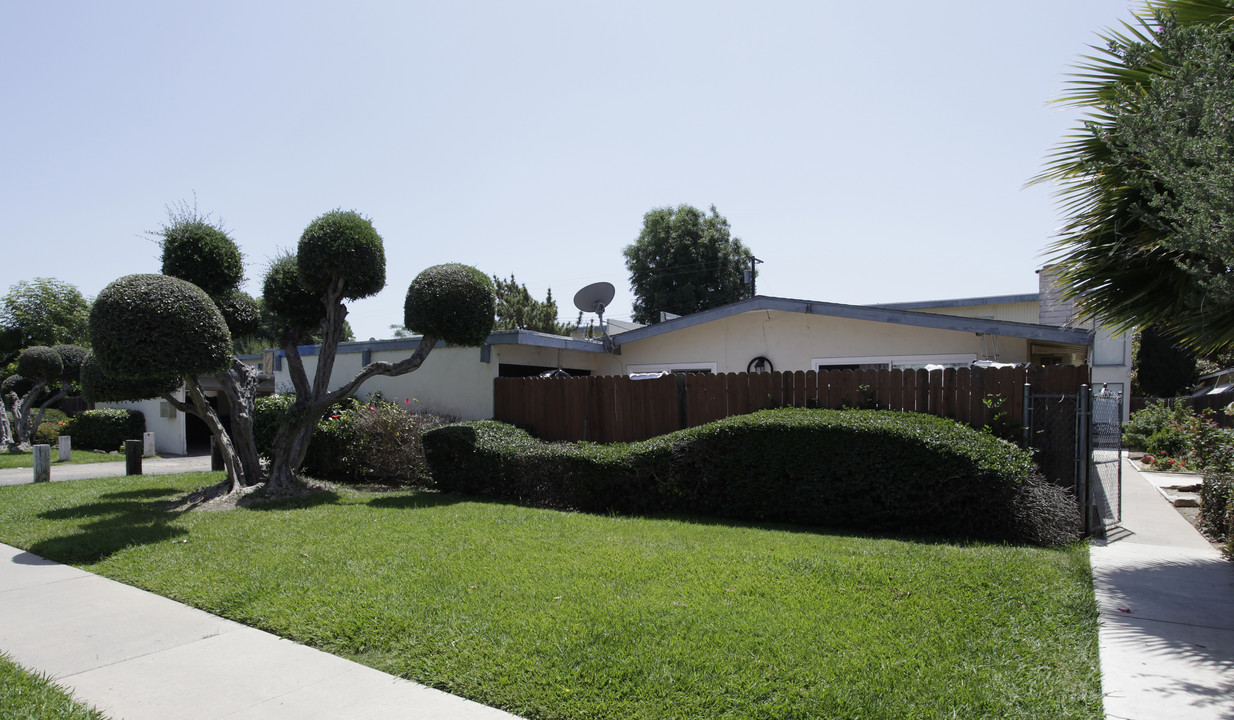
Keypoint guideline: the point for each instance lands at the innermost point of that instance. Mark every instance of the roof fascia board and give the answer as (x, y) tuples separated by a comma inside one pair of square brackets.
[(500, 337), (962, 302)]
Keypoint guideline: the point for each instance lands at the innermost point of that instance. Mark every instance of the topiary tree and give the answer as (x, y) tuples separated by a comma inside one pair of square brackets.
[(340, 257), (453, 302), (37, 368), (199, 251), (160, 330), (97, 386)]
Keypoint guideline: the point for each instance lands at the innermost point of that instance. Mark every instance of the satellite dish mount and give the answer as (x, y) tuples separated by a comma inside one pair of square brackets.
[(595, 298)]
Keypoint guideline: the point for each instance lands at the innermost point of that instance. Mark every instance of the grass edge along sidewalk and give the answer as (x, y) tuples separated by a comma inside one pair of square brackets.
[(552, 614), (25, 459), (34, 696)]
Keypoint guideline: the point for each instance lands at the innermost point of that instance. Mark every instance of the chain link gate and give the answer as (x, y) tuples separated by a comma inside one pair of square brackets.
[(1076, 439), (1106, 464)]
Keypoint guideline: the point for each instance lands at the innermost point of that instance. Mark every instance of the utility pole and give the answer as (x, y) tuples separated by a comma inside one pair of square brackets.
[(750, 274)]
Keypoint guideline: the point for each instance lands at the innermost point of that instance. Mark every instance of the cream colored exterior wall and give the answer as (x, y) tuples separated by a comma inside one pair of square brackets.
[(793, 340), (1022, 312), (169, 435), (452, 380)]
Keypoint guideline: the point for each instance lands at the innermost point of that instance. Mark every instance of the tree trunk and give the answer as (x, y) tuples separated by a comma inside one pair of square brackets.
[(291, 445), (38, 419), (21, 415), (240, 385), (6, 429), (295, 431), (201, 407)]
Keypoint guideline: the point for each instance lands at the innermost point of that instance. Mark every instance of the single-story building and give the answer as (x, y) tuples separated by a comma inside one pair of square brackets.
[(756, 335)]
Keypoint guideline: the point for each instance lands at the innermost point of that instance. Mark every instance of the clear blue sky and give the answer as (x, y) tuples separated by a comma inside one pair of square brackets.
[(867, 152)]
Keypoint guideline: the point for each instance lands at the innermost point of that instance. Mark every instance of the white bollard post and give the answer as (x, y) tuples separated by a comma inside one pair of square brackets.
[(147, 444), (64, 448), (42, 463)]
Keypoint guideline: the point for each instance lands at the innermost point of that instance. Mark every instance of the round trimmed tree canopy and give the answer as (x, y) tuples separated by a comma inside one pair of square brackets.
[(72, 356), (453, 302), (157, 326), (240, 311), (40, 363), (343, 245), (284, 295), (97, 386), (196, 251)]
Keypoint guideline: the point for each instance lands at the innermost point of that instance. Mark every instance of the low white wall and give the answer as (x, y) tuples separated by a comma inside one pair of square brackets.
[(168, 432), (451, 381)]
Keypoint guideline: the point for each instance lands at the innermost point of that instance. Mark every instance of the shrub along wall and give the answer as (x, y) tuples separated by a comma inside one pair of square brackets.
[(374, 441), (105, 429), (869, 470), (1217, 507)]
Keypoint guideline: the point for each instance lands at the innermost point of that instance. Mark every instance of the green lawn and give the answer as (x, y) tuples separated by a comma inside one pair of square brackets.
[(564, 615), (26, 459), (31, 696)]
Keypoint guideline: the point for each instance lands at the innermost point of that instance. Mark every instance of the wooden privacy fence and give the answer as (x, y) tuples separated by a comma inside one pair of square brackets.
[(618, 409)]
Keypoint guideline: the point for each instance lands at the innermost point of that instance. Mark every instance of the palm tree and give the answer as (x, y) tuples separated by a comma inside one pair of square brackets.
[(1113, 254)]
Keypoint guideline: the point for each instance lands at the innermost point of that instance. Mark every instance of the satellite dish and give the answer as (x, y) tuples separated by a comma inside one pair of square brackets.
[(595, 297)]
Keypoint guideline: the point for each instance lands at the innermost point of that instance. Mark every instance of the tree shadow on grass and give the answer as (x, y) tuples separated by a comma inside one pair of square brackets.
[(298, 502), (421, 500), (120, 520)]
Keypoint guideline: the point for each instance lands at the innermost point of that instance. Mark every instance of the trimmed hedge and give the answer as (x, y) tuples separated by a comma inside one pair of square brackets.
[(105, 429), (862, 469)]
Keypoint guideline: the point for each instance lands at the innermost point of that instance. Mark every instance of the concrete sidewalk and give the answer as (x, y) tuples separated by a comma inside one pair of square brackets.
[(136, 655), (1166, 598), (81, 471)]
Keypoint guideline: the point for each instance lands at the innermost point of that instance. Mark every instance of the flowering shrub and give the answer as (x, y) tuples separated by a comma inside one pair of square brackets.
[(48, 433), (1166, 464), (1180, 433), (371, 441)]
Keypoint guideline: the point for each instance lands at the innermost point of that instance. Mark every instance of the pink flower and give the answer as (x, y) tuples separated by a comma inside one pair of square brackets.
[(370, 407)]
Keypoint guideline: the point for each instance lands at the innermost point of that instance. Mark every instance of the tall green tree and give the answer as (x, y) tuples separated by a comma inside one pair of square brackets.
[(43, 311), (518, 310), (1146, 182), (1162, 367), (685, 261)]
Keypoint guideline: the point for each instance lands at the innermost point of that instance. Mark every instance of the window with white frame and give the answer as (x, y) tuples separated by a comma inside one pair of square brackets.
[(893, 362), (683, 367)]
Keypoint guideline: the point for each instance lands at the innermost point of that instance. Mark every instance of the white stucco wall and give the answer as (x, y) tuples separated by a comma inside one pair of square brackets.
[(169, 436), (453, 380)]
